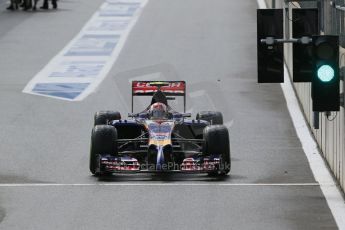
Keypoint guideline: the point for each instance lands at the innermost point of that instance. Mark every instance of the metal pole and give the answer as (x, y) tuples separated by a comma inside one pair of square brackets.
[(287, 22), (305, 40), (316, 120)]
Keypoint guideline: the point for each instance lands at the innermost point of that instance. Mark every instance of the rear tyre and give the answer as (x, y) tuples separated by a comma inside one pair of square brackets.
[(214, 117), (217, 142), (103, 142), (103, 117)]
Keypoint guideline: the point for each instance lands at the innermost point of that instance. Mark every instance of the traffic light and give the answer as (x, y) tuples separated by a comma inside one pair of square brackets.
[(325, 80), (270, 57), (305, 23)]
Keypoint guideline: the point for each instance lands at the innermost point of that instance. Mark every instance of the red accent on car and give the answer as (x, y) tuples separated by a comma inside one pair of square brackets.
[(174, 88)]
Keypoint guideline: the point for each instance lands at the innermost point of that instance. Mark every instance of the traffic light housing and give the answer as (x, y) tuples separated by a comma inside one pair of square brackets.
[(305, 23), (325, 80), (270, 57)]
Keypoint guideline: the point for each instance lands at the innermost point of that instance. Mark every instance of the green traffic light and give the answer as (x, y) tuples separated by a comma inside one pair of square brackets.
[(325, 73)]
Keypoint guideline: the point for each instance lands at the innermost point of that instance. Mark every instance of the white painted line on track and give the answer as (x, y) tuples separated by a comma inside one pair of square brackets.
[(164, 184), (317, 164), (82, 65)]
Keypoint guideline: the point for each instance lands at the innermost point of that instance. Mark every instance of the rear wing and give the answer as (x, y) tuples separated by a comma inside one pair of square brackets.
[(169, 88)]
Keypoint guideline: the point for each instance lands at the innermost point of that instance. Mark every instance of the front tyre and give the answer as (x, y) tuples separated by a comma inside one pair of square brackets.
[(103, 117), (214, 117), (103, 142), (217, 142)]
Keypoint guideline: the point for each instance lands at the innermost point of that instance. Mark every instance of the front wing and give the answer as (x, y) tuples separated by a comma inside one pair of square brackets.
[(111, 164)]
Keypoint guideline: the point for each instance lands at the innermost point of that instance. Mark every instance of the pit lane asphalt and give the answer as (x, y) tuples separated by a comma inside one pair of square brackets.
[(211, 45)]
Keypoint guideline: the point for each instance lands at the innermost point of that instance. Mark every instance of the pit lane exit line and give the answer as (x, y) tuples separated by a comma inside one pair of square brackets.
[(165, 184)]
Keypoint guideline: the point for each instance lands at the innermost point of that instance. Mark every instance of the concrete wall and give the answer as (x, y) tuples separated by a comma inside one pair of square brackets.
[(330, 135)]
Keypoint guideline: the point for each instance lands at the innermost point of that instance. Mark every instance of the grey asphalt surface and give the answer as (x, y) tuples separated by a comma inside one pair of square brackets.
[(208, 43)]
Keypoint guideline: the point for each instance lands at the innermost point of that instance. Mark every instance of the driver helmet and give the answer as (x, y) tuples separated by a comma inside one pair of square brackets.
[(158, 111)]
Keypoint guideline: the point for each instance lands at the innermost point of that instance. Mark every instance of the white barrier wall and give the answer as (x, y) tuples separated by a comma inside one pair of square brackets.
[(330, 135)]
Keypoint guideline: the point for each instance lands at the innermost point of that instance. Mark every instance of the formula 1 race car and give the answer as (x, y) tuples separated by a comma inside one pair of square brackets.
[(159, 139)]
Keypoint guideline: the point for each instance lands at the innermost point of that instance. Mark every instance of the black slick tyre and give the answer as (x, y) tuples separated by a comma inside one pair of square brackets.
[(103, 117), (214, 117), (103, 142), (217, 142)]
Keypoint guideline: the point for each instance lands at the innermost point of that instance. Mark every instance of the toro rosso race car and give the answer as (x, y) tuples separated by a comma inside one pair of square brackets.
[(159, 139)]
